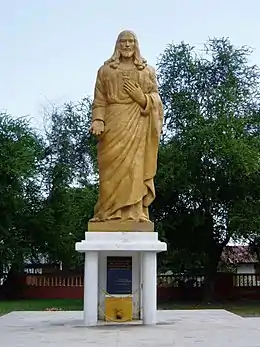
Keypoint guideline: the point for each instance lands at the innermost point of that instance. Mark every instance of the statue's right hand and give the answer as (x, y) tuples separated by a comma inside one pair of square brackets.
[(97, 127)]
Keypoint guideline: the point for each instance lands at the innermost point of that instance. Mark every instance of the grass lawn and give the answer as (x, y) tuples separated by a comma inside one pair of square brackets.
[(39, 305), (242, 308)]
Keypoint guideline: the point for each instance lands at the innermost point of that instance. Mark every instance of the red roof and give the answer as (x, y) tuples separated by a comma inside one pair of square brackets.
[(238, 255)]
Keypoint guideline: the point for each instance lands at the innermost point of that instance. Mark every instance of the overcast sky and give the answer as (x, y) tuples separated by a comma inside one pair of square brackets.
[(51, 49)]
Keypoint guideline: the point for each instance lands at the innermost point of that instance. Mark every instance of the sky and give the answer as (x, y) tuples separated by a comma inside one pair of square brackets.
[(51, 49)]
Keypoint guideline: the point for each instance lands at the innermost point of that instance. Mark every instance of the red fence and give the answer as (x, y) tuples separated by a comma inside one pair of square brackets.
[(53, 287), (227, 286)]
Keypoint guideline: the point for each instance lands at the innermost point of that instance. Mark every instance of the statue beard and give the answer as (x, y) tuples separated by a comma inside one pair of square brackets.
[(127, 54)]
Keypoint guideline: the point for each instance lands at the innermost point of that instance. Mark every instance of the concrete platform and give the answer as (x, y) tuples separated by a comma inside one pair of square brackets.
[(207, 328)]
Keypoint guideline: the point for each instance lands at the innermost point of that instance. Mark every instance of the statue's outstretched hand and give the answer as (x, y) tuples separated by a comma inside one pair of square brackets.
[(97, 127), (135, 92)]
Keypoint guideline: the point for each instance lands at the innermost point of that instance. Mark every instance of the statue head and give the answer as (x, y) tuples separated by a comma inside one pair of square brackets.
[(127, 46)]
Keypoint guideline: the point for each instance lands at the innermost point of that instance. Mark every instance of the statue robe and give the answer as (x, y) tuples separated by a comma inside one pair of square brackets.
[(127, 150)]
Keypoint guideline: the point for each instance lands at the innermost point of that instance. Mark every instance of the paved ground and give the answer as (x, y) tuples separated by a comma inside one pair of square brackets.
[(198, 328)]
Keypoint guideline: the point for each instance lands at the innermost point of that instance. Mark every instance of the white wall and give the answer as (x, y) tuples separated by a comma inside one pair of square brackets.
[(245, 269)]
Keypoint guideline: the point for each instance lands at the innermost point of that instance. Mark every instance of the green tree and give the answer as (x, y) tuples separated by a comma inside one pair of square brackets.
[(71, 150), (70, 179), (209, 155), (20, 152)]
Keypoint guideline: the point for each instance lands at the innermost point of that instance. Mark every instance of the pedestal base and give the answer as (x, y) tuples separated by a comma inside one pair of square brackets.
[(118, 226), (142, 247)]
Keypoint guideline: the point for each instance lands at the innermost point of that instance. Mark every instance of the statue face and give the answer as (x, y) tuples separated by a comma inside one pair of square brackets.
[(127, 45)]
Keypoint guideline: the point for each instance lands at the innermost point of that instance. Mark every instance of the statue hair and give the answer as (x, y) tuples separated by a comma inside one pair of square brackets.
[(114, 60)]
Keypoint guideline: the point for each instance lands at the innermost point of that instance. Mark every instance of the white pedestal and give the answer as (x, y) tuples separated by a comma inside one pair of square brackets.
[(149, 271), (90, 288), (142, 247)]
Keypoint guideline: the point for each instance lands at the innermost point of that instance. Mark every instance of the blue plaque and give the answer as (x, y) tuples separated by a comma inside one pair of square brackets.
[(119, 275)]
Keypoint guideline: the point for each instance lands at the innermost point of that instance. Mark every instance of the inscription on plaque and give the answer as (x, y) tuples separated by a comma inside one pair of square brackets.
[(119, 275)]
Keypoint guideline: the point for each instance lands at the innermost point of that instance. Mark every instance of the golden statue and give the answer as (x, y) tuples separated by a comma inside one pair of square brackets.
[(127, 119)]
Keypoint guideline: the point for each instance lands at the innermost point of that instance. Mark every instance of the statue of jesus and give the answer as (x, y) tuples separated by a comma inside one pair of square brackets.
[(127, 119)]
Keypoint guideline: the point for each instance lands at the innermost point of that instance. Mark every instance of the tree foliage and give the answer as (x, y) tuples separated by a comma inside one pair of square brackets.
[(209, 155), (69, 173), (47, 185), (20, 153)]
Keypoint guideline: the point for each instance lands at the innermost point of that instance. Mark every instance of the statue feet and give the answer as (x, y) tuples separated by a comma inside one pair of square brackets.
[(143, 219), (121, 224), (95, 219), (113, 218)]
